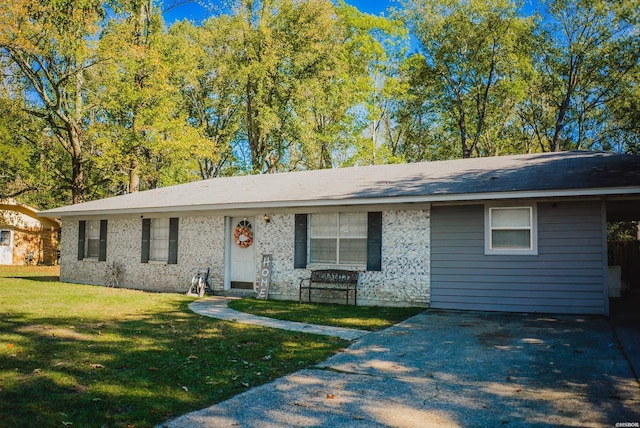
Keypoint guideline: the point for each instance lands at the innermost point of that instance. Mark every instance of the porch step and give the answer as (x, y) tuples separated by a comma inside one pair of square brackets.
[(236, 292)]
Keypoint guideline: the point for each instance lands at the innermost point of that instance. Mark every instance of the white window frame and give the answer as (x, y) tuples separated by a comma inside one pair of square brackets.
[(337, 237), (533, 230), (89, 236), (154, 240)]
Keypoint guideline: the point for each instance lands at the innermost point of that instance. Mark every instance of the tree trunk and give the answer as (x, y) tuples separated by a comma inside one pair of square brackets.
[(73, 131), (77, 166), (134, 176)]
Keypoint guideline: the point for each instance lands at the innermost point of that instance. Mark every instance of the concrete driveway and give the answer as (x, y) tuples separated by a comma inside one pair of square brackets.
[(449, 368)]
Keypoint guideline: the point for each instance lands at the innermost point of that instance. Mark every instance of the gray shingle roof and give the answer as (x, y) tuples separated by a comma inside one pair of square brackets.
[(560, 174)]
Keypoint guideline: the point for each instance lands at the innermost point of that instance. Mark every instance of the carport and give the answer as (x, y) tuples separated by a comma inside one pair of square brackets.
[(624, 256)]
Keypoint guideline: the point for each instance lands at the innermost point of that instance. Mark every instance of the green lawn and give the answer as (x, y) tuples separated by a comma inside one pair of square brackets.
[(85, 356), (370, 318)]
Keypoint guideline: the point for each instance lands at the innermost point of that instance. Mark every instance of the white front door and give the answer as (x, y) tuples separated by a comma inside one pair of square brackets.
[(6, 247), (243, 265)]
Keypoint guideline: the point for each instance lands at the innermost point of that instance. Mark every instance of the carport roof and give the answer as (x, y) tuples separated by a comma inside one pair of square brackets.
[(504, 177)]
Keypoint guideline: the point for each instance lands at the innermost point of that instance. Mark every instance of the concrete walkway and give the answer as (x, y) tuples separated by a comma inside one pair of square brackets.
[(216, 307)]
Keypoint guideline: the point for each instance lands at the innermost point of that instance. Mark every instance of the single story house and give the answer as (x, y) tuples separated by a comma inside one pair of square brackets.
[(26, 238), (512, 233)]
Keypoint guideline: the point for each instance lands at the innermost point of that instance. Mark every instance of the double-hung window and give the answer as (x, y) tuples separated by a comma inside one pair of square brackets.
[(92, 239), (338, 238), (511, 230), (160, 240)]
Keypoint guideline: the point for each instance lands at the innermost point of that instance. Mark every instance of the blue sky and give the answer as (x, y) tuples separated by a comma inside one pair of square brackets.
[(195, 12)]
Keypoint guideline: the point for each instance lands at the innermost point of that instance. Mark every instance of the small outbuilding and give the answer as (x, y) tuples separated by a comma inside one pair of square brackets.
[(26, 238), (512, 233)]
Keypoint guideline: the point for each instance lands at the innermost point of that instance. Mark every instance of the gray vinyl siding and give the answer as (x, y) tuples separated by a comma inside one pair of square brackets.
[(565, 277)]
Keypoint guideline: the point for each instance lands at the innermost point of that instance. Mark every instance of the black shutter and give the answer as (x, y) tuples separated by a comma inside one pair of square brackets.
[(102, 254), (300, 252), (374, 241), (146, 238), (173, 241), (82, 225)]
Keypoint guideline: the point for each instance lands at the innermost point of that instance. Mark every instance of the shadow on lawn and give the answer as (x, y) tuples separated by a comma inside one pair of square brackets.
[(37, 278), (138, 371)]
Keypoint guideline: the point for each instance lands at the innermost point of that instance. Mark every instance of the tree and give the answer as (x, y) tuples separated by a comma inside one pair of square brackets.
[(207, 75), (587, 63), (49, 44), (18, 147), (141, 131), (474, 61), (283, 48)]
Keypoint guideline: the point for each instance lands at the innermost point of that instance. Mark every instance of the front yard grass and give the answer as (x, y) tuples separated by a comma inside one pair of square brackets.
[(85, 356), (371, 318)]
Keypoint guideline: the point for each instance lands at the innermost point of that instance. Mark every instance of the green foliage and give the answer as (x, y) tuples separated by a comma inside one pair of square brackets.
[(17, 154), (622, 231), (48, 44)]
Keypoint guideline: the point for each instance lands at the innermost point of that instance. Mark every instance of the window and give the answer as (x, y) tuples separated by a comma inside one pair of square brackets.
[(5, 238), (510, 230), (92, 239), (338, 238), (160, 240)]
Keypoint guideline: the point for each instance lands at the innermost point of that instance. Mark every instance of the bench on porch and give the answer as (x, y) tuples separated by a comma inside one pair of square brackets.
[(332, 280)]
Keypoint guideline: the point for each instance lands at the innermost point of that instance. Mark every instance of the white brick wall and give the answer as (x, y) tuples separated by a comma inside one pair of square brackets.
[(200, 244), (404, 279)]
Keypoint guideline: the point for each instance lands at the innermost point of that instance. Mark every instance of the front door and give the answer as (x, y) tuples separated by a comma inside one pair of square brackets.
[(243, 266), (6, 247)]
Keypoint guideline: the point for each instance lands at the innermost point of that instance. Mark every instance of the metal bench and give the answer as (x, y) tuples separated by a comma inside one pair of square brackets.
[(332, 280)]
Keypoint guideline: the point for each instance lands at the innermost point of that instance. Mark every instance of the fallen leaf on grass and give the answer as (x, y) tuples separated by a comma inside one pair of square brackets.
[(10, 345), (330, 396), (245, 384), (185, 389), (36, 371), (193, 357), (153, 369), (67, 423), (96, 366), (96, 399)]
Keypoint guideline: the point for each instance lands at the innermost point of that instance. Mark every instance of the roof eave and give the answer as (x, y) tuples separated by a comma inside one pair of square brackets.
[(387, 200)]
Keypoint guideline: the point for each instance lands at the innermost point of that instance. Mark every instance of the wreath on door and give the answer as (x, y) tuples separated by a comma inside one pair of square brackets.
[(243, 235)]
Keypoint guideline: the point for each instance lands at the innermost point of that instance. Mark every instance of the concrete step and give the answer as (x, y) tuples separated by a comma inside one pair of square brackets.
[(235, 292)]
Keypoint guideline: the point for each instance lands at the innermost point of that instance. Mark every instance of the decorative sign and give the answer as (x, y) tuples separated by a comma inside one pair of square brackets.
[(243, 235), (265, 277)]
